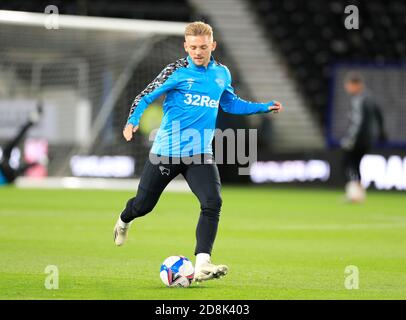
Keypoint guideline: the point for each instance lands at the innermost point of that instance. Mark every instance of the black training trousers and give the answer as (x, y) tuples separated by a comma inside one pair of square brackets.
[(351, 163), (203, 179)]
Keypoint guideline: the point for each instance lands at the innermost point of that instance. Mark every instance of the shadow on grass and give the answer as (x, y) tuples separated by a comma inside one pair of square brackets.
[(192, 287)]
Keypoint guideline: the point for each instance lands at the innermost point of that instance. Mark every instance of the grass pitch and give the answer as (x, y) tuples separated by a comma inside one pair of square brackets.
[(278, 243)]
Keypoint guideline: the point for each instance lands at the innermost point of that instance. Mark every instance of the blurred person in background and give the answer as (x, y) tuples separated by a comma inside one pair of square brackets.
[(364, 130), (8, 174)]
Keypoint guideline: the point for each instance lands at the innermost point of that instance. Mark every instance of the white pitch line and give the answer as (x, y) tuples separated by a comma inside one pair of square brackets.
[(93, 183), (309, 227)]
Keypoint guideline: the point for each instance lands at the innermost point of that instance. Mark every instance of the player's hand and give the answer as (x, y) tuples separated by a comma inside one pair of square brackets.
[(276, 107), (128, 131)]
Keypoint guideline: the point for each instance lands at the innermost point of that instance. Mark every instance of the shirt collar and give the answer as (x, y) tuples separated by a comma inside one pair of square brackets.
[(201, 68)]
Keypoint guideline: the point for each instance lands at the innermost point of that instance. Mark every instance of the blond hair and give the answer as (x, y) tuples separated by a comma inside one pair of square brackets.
[(198, 28)]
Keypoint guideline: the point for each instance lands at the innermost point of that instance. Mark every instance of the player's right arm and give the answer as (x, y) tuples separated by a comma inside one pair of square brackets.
[(163, 83)]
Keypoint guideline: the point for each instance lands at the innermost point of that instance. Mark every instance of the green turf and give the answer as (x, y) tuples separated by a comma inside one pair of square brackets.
[(279, 244)]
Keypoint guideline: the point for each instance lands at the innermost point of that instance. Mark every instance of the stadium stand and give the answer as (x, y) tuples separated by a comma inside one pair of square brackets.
[(313, 38), (169, 10)]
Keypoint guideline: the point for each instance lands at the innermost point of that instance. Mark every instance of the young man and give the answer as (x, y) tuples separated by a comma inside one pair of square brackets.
[(364, 130), (195, 86)]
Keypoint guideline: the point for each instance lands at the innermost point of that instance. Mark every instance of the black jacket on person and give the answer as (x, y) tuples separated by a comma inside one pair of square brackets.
[(366, 125)]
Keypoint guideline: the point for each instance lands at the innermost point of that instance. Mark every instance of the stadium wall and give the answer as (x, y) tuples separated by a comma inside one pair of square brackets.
[(383, 169)]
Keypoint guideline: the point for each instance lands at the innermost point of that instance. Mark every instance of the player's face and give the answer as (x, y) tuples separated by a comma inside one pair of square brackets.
[(199, 49)]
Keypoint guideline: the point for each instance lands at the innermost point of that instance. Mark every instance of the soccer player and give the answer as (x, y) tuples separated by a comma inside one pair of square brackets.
[(195, 87), (364, 130), (8, 174)]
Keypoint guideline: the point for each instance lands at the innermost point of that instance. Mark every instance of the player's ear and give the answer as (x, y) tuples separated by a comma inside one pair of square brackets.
[(185, 46), (214, 45)]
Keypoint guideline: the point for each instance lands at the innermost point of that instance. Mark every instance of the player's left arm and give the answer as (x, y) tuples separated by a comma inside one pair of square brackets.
[(232, 103)]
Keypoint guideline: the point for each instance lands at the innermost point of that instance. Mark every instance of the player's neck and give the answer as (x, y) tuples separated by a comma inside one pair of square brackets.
[(206, 64), (202, 66)]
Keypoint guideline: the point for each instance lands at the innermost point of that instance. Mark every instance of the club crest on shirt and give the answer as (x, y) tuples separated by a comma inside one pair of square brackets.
[(220, 82)]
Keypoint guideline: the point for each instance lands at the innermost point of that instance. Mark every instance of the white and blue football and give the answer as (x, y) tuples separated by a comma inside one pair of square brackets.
[(177, 271)]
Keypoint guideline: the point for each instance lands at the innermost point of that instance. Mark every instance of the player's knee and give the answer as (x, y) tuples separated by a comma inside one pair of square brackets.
[(212, 206), (141, 205)]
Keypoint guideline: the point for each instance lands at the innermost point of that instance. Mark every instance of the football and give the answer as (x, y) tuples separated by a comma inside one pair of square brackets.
[(177, 271)]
